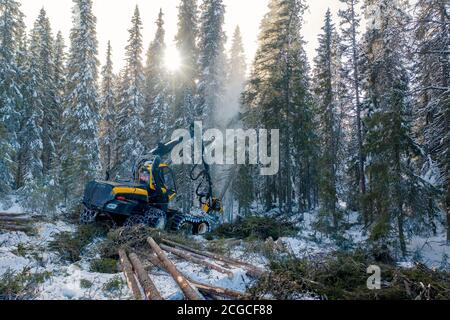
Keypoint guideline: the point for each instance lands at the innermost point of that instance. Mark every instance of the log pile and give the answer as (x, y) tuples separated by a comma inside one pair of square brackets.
[(138, 278)]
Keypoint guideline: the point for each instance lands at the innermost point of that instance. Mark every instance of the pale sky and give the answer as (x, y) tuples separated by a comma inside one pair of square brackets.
[(114, 19)]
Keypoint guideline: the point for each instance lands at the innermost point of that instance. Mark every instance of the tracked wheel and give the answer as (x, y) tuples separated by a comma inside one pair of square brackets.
[(88, 216), (156, 218), (153, 218), (190, 225)]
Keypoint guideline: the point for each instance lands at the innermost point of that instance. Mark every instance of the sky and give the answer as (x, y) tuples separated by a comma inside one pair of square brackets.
[(114, 19)]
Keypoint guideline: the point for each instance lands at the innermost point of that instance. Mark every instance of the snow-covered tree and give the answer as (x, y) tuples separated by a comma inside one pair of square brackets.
[(278, 96), (81, 158), (187, 75), (394, 189), (59, 78), (212, 60), (350, 24), (432, 65), (12, 32), (326, 97), (131, 100), (41, 53), (107, 113), (157, 90)]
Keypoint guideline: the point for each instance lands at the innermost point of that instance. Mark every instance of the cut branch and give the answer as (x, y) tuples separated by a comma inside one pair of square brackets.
[(184, 285)]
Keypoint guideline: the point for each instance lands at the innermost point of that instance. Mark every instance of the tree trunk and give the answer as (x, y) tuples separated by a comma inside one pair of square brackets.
[(128, 271), (221, 292), (150, 290), (190, 257), (184, 285), (251, 270), (361, 164)]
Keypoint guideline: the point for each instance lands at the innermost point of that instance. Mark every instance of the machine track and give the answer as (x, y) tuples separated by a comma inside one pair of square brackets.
[(191, 224)]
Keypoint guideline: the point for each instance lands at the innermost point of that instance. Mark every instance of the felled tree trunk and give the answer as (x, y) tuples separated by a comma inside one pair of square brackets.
[(151, 292), (184, 285), (251, 270), (190, 257), (128, 271)]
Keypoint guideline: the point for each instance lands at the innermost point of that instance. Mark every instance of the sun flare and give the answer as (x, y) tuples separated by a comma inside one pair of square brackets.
[(172, 59)]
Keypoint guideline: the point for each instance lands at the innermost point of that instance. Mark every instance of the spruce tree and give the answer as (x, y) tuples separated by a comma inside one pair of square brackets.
[(81, 154), (326, 96), (107, 113), (157, 90), (211, 60), (59, 77), (350, 23), (41, 53), (130, 123), (394, 186), (12, 32), (432, 35), (279, 97), (187, 75)]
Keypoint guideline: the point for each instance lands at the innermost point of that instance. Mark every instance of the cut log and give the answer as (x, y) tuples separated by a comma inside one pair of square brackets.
[(150, 290), (204, 288), (13, 215), (14, 228), (128, 272), (221, 292), (251, 270), (190, 257), (153, 258), (14, 220), (184, 285)]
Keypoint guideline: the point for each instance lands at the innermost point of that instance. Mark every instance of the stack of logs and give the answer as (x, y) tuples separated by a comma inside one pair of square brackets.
[(138, 277), (14, 222)]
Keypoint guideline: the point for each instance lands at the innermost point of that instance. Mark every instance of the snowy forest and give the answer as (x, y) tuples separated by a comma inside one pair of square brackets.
[(364, 129)]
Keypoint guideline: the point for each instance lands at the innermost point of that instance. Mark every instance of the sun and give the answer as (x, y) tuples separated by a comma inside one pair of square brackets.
[(172, 59)]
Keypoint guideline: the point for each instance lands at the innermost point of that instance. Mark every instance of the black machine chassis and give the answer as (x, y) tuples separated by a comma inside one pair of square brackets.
[(100, 199)]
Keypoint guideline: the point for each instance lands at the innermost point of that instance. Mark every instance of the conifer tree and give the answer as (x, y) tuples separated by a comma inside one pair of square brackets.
[(81, 154), (107, 113), (41, 53), (432, 37), (131, 100), (325, 91), (12, 32), (157, 90), (60, 73), (350, 23), (278, 96), (187, 75), (394, 186), (211, 60)]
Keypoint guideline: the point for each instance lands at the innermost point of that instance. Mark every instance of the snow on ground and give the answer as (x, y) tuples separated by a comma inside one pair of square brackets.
[(433, 251), (74, 281)]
